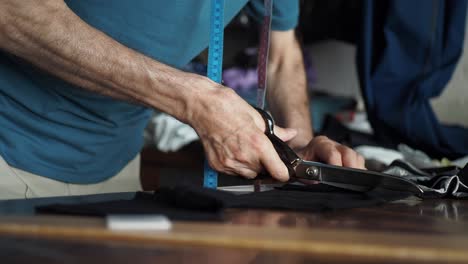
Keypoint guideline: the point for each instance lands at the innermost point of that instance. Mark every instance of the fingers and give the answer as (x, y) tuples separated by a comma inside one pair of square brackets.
[(272, 162), (285, 134), (326, 150), (247, 158), (245, 172), (264, 156), (350, 158), (361, 162), (323, 149), (238, 160), (329, 154)]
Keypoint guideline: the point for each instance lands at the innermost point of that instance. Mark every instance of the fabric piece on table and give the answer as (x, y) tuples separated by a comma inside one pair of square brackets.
[(143, 203), (316, 198), (444, 182), (199, 204)]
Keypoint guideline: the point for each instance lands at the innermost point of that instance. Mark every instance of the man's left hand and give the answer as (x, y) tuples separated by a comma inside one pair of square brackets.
[(325, 150)]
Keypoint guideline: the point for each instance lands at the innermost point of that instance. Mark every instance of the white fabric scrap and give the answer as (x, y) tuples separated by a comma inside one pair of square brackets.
[(417, 157), (461, 162), (170, 134), (360, 123), (386, 156)]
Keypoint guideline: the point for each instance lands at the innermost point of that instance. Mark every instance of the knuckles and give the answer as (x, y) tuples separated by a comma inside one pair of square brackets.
[(345, 151), (257, 141), (318, 139), (334, 157)]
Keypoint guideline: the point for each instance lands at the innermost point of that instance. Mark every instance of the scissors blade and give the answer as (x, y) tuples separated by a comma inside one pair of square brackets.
[(354, 179)]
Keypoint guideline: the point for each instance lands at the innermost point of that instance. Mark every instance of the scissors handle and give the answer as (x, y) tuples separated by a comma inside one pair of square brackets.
[(287, 155)]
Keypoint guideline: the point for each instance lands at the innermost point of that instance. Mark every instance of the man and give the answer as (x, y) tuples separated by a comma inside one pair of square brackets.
[(78, 79)]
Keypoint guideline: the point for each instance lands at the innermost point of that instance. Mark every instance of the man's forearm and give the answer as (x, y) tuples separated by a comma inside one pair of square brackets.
[(287, 92), (49, 35)]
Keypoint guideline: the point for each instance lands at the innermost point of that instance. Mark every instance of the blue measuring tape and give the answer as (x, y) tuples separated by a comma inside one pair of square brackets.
[(215, 64), (215, 67)]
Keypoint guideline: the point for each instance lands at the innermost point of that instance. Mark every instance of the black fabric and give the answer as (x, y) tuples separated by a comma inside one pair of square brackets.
[(463, 174), (200, 204), (142, 203), (338, 19), (315, 198)]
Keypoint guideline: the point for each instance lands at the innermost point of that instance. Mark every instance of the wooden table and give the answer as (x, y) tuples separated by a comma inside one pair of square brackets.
[(408, 231)]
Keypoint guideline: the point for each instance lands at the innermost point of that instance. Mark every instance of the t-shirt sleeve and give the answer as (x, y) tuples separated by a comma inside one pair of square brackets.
[(285, 13)]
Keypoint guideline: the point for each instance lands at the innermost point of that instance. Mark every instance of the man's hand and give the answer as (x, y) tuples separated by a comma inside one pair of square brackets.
[(289, 104), (328, 151), (232, 134)]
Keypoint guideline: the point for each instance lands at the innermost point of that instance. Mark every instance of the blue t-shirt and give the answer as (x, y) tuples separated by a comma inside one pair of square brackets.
[(54, 129)]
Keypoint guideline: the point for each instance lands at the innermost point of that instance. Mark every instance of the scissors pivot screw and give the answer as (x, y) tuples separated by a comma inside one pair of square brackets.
[(312, 171)]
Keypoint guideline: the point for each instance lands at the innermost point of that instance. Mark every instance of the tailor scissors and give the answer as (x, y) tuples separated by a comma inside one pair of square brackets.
[(346, 178)]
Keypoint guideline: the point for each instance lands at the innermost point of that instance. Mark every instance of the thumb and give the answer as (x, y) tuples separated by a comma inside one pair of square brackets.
[(285, 134)]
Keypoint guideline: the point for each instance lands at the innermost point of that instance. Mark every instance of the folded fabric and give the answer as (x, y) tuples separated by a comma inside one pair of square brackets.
[(443, 182), (199, 204)]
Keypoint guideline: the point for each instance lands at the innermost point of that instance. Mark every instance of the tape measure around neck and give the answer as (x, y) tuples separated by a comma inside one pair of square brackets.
[(263, 52), (215, 66), (262, 63)]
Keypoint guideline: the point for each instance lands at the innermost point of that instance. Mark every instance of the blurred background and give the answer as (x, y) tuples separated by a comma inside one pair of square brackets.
[(387, 78)]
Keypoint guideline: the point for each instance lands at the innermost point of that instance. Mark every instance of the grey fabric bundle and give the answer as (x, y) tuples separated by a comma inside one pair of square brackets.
[(444, 182)]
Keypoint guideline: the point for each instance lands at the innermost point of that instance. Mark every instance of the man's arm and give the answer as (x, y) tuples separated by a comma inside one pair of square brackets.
[(287, 92), (49, 35), (289, 103)]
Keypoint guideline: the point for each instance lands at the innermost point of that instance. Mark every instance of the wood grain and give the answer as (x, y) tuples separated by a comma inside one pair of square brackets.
[(409, 231), (317, 241)]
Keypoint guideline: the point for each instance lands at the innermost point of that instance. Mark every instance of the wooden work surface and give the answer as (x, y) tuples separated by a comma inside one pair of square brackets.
[(408, 231)]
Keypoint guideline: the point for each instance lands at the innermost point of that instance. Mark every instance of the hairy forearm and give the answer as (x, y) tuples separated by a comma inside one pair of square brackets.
[(49, 35), (287, 92)]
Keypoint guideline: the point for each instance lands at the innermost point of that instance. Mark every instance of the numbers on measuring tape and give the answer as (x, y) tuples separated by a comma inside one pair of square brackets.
[(215, 63), (215, 50), (215, 67)]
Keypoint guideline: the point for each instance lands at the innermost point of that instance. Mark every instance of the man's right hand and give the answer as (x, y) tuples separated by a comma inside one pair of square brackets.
[(232, 134)]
